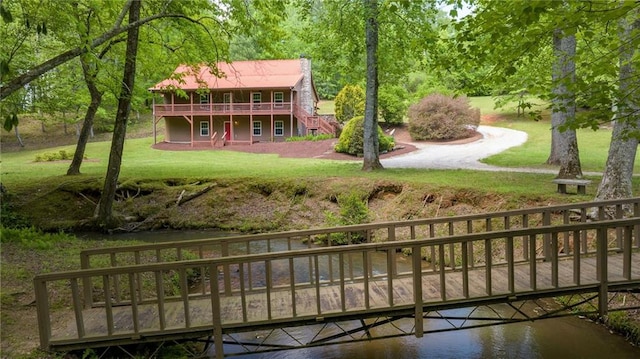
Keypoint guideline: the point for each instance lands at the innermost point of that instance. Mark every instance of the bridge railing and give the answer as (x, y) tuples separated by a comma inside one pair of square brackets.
[(334, 283), (365, 233)]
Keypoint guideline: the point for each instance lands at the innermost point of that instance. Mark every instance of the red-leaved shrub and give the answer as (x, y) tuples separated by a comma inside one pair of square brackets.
[(440, 117)]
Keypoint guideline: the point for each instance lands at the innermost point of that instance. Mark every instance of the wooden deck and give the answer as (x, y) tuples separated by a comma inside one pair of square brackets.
[(316, 285)]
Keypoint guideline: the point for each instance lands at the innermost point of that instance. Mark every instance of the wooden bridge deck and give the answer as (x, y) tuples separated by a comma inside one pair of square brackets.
[(140, 298)]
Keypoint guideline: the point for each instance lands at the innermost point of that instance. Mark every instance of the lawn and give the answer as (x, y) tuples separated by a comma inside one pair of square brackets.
[(593, 145), (140, 161)]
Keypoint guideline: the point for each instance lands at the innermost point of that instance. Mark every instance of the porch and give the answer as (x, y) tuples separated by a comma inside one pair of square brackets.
[(222, 124), (190, 109)]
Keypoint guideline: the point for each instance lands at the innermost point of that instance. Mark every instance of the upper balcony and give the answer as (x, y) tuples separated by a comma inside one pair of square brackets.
[(263, 108)]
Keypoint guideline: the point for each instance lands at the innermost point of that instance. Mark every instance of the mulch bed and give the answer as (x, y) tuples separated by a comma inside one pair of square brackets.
[(298, 149)]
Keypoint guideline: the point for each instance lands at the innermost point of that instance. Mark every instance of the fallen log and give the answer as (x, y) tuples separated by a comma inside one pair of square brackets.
[(184, 199)]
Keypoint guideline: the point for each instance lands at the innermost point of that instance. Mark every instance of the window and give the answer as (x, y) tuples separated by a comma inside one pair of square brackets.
[(204, 128), (278, 99), (257, 128), (256, 98), (226, 99), (278, 128), (204, 101)]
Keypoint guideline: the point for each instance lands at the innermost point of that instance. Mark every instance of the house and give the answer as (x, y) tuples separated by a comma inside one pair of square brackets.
[(248, 102)]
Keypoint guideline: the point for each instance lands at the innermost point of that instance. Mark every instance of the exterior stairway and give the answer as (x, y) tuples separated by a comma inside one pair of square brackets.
[(314, 124)]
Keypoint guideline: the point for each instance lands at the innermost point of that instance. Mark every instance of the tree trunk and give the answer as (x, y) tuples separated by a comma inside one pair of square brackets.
[(370, 141), (87, 125), (616, 180), (15, 128), (105, 218), (564, 143)]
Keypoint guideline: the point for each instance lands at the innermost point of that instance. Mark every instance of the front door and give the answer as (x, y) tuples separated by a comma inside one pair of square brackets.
[(227, 131)]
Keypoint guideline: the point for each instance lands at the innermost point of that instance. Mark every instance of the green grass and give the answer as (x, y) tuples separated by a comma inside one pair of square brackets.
[(593, 146), (487, 106), (140, 161), (326, 107)]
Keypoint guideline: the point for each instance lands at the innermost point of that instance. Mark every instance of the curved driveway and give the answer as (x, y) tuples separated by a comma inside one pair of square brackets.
[(463, 156)]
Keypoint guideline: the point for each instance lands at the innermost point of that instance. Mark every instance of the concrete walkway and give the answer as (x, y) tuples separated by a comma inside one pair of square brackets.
[(464, 156)]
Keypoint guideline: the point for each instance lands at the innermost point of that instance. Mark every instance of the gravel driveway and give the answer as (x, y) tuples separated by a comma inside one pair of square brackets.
[(464, 155)]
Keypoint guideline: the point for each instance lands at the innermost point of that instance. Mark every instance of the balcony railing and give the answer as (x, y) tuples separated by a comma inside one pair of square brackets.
[(264, 108)]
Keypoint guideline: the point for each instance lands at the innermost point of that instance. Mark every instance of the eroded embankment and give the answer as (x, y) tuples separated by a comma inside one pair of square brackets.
[(246, 205)]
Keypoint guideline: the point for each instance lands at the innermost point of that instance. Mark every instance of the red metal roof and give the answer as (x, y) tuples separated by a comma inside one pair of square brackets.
[(235, 75)]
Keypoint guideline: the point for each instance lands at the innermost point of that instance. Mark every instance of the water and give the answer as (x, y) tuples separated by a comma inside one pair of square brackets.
[(552, 338), (568, 337)]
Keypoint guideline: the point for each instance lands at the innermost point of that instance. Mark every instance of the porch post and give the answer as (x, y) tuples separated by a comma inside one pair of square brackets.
[(153, 111), (291, 105), (211, 129), (191, 112)]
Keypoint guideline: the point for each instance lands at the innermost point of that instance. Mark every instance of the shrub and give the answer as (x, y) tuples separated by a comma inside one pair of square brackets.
[(439, 117), (349, 103), (391, 101), (310, 137), (352, 137), (353, 210), (32, 238), (54, 156)]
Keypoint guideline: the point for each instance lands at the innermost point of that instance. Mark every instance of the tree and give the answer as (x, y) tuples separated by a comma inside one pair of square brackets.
[(371, 144), (522, 24), (564, 143), (618, 173), (402, 28), (105, 216), (90, 73)]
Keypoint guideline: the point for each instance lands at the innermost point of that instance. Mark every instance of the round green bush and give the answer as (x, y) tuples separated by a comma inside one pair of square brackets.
[(349, 103), (440, 117), (352, 137)]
